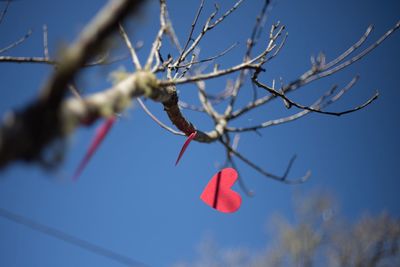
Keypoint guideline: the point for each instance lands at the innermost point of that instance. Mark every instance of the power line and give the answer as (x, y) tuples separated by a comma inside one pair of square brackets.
[(125, 260)]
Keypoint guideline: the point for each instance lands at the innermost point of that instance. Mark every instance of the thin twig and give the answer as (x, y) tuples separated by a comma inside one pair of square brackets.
[(318, 105), (154, 118), (135, 59), (45, 42), (226, 14), (16, 43), (185, 105), (210, 58), (181, 58), (257, 28), (216, 73), (157, 42), (75, 91), (208, 107), (360, 55), (282, 179), (42, 60), (313, 74), (279, 48), (351, 49), (231, 162), (242, 184), (318, 73), (292, 103), (187, 68), (251, 42), (4, 12), (207, 27), (254, 63)]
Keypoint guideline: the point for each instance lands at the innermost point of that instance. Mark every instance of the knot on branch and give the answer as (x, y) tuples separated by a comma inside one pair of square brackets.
[(146, 83), (173, 111)]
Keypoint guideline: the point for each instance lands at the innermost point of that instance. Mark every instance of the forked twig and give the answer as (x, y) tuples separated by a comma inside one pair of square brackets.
[(154, 118), (131, 49), (260, 170)]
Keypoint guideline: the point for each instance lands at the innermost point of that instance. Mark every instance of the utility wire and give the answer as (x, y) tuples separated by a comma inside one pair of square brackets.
[(60, 235)]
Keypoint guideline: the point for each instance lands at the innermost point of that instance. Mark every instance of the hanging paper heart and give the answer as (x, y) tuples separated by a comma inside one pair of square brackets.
[(185, 145), (101, 133), (218, 193)]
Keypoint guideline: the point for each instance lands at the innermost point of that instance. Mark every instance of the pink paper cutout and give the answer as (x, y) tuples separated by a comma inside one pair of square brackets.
[(185, 145), (101, 133), (218, 193)]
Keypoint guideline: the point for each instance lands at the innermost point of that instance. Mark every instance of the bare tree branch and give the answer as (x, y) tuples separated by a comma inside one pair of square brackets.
[(309, 108), (221, 54), (40, 123), (41, 60), (158, 41), (230, 162), (182, 66), (4, 11), (45, 42), (251, 42), (88, 43), (260, 170), (181, 56), (154, 118), (16, 43), (132, 51)]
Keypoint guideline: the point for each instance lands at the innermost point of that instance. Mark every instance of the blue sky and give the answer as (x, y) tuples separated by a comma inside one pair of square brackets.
[(133, 200)]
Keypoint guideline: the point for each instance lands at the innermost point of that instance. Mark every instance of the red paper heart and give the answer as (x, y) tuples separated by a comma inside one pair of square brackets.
[(101, 133), (185, 145), (218, 193)]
